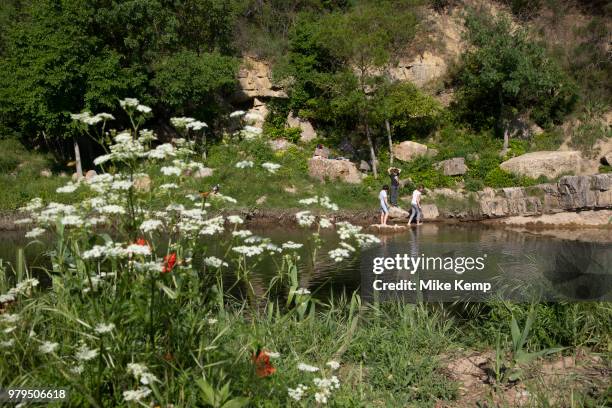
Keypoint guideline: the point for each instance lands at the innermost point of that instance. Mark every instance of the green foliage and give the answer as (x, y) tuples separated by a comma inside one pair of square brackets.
[(191, 83), (507, 74), (588, 133)]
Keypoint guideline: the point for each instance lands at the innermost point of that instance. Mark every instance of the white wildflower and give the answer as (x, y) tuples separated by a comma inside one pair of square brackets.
[(244, 164), (129, 103), (35, 233), (271, 167), (150, 225), (308, 368), (102, 328), (302, 291), (298, 392), (143, 109), (85, 353), (242, 233), (248, 251), (339, 254), (334, 365), (214, 262), (68, 188), (235, 219), (48, 347), (136, 395), (292, 245), (170, 171), (305, 218), (237, 114)]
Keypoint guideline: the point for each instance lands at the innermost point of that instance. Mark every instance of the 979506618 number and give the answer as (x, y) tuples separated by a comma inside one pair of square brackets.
[(33, 394)]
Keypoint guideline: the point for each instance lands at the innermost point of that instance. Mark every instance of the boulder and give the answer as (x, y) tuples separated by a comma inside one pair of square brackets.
[(397, 213), (322, 152), (142, 183), (452, 167), (343, 170), (420, 70), (280, 144), (203, 172), (430, 211), (364, 166), (549, 163), (606, 158), (90, 174), (45, 173), (408, 150), (261, 200), (307, 131)]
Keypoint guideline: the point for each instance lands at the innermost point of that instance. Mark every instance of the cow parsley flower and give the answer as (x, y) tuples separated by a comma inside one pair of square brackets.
[(242, 233), (271, 167), (248, 251), (237, 114), (214, 262), (35, 233), (150, 225), (334, 365), (68, 188), (298, 392), (302, 291), (235, 219), (136, 395), (85, 353), (305, 218), (292, 245), (129, 103), (339, 254), (143, 109), (244, 164), (307, 368), (48, 347), (196, 125), (170, 171), (102, 328)]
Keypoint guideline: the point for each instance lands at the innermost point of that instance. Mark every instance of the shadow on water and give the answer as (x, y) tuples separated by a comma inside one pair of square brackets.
[(557, 268)]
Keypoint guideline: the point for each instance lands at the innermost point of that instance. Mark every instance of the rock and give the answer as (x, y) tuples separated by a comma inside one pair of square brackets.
[(431, 152), (430, 211), (307, 131), (45, 173), (280, 144), (142, 183), (452, 167), (344, 170), (203, 172), (606, 158), (364, 166), (261, 200), (256, 116), (90, 174), (75, 177), (420, 70), (549, 163), (322, 152), (396, 213), (408, 150), (448, 193), (255, 81)]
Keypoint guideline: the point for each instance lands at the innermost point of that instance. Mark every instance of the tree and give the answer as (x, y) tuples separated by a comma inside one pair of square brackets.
[(365, 40), (506, 74), (400, 105)]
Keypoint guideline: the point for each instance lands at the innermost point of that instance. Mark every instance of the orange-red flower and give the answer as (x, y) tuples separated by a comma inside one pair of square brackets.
[(169, 262), (142, 242), (263, 367)]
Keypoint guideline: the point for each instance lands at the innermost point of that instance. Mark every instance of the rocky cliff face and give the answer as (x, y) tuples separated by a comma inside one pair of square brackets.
[(570, 193)]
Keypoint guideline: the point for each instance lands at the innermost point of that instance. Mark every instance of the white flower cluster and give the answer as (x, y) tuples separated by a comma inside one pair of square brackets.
[(214, 262), (141, 373), (171, 171), (21, 288), (89, 119), (244, 164), (339, 254), (248, 250), (237, 114), (307, 367), (35, 232), (305, 218), (150, 225), (102, 328), (271, 167), (325, 386), (292, 245), (68, 188), (298, 392), (324, 201), (235, 219), (84, 353)]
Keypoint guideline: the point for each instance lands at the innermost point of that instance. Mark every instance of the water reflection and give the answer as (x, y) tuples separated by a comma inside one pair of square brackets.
[(515, 261)]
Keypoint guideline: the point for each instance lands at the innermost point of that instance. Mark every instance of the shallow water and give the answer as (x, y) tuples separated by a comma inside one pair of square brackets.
[(519, 264)]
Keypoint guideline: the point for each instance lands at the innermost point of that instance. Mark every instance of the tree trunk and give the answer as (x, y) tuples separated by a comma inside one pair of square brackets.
[(77, 159), (506, 141), (388, 126), (372, 153)]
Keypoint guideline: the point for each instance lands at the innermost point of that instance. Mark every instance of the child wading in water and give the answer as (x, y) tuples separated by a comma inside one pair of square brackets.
[(384, 205), (416, 205)]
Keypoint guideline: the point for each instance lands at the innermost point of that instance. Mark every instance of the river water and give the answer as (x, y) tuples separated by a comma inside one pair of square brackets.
[(516, 265)]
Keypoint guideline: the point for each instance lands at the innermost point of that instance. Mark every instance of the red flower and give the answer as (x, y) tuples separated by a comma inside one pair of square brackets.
[(169, 262), (142, 242), (263, 367)]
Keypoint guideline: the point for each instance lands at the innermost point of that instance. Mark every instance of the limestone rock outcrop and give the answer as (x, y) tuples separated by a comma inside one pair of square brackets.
[(550, 164), (255, 81), (329, 169)]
